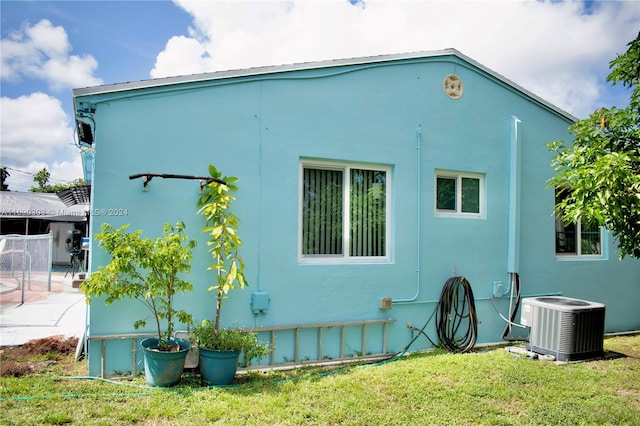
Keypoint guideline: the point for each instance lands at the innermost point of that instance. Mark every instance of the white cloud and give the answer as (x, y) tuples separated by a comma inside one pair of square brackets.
[(32, 127), (66, 171), (182, 56), (42, 51), (558, 50)]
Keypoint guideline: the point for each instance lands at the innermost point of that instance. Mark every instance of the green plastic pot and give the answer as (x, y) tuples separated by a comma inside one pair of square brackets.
[(163, 368), (218, 367)]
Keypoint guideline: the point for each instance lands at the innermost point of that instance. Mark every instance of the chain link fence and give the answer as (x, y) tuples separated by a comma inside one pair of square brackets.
[(25, 267)]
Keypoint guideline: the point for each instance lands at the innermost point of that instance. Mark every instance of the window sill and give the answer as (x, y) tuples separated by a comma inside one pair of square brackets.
[(579, 258), (344, 261), (459, 215)]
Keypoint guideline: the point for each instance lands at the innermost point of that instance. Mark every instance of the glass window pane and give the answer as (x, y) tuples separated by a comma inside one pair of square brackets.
[(565, 234), (445, 193), (470, 195), (590, 239), (322, 212), (565, 237), (368, 216)]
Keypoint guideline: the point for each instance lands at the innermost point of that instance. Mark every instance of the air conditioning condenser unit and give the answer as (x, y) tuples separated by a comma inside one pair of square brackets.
[(569, 329)]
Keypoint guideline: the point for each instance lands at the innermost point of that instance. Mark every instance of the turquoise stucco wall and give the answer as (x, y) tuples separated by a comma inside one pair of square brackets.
[(259, 128)]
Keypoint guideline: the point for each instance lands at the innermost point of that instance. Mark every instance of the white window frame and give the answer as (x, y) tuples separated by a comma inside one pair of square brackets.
[(578, 254), (345, 167), (458, 176)]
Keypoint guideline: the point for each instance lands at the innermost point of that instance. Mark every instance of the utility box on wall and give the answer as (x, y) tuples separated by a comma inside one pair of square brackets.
[(260, 302)]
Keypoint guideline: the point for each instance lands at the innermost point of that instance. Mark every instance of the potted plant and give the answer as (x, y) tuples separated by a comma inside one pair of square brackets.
[(219, 350), (212, 341), (150, 272)]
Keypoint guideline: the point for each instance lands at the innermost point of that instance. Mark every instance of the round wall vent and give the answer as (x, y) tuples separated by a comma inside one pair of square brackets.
[(453, 86)]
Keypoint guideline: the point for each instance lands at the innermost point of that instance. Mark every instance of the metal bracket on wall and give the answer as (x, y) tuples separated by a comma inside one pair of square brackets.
[(146, 178)]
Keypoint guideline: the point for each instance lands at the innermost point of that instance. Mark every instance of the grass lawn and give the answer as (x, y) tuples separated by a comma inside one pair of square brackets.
[(488, 386)]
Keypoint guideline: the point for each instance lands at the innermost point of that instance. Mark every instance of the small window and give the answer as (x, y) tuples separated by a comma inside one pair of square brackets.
[(574, 239), (459, 194), (344, 212)]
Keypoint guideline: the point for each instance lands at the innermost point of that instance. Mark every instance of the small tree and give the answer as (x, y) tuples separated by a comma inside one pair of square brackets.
[(224, 242), (600, 170), (148, 271), (42, 179)]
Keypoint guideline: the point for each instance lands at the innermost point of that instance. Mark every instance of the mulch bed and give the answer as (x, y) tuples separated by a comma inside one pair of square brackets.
[(17, 360)]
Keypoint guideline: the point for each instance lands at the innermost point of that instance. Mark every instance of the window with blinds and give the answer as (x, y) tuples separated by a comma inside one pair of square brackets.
[(344, 212)]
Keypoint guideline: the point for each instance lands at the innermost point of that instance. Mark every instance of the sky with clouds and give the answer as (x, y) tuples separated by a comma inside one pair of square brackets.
[(559, 50)]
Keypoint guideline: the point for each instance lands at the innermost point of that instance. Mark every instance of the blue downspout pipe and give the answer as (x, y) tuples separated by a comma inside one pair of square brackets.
[(513, 255), (513, 245)]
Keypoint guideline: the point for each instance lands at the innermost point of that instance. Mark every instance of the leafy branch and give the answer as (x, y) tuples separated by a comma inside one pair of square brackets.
[(600, 170), (224, 241)]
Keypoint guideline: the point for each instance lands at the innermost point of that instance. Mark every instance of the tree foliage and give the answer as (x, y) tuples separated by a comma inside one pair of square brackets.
[(600, 169), (147, 271), (42, 179), (62, 186), (4, 174)]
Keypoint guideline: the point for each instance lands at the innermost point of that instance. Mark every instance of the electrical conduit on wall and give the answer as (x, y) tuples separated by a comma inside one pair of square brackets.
[(418, 216)]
